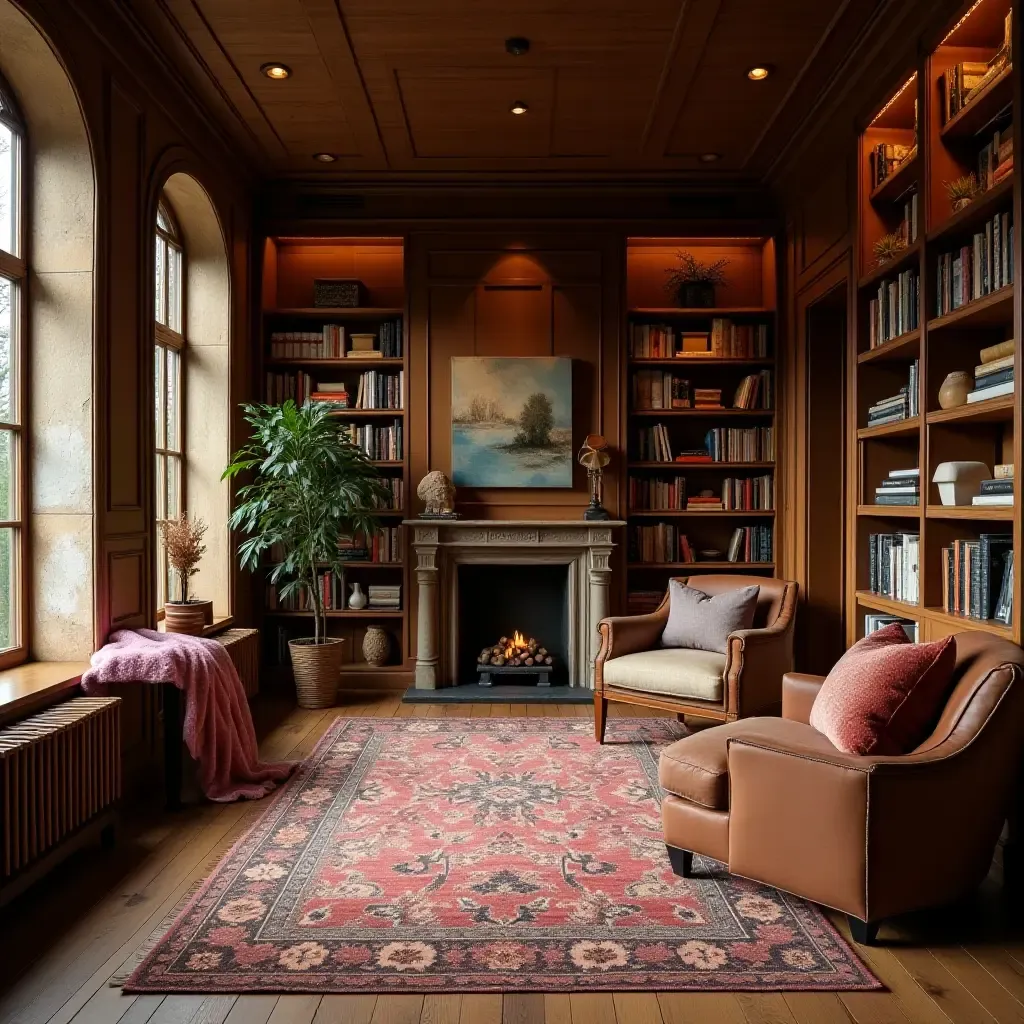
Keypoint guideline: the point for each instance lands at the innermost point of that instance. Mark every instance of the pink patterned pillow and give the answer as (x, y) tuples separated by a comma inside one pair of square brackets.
[(885, 693)]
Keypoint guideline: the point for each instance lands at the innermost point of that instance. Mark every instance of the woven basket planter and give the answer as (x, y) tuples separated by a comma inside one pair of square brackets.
[(317, 671)]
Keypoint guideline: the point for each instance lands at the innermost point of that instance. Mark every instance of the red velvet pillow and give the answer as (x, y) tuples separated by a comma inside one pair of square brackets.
[(885, 693)]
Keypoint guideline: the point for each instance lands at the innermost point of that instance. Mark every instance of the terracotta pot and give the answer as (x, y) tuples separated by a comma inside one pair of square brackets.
[(959, 204), (376, 645), (189, 617), (955, 388), (317, 670)]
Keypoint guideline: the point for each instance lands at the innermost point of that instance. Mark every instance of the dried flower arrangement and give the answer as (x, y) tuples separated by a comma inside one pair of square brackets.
[(183, 541), (889, 246), (961, 190), (692, 283)]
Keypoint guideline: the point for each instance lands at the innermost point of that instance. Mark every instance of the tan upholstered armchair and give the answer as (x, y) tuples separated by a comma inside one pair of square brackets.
[(633, 668), (872, 836)]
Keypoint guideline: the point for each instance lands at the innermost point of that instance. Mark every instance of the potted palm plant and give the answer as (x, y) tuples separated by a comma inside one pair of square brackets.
[(311, 489)]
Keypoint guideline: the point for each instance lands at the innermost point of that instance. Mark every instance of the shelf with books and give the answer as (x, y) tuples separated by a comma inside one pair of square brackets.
[(714, 411), (989, 311), (992, 410), (881, 603), (903, 428), (984, 105), (708, 464), (900, 179), (336, 312), (701, 566), (887, 511), (976, 212), (346, 363), (700, 312), (703, 513), (348, 613), (903, 348), (688, 360), (978, 512), (362, 413), (909, 257)]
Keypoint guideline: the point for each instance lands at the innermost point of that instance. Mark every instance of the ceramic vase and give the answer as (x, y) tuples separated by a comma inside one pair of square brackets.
[(376, 646), (357, 600), (955, 389)]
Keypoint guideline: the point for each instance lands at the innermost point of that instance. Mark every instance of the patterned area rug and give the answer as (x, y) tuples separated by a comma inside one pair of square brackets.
[(474, 855)]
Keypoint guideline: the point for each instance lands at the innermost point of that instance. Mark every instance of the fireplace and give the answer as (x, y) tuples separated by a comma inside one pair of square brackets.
[(499, 600), (570, 559)]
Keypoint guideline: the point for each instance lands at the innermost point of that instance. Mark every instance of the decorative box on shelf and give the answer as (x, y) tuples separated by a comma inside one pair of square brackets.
[(959, 481), (338, 291)]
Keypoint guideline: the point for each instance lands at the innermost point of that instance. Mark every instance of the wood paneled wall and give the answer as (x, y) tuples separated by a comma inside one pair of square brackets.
[(506, 293)]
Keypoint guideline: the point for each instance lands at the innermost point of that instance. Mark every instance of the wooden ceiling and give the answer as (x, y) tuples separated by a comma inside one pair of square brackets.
[(422, 88)]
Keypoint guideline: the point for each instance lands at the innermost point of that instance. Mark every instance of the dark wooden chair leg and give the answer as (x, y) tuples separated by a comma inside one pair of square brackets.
[(864, 932), (682, 861), (600, 713), (173, 725)]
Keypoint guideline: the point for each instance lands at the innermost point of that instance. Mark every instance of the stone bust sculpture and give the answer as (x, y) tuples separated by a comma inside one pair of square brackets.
[(437, 494)]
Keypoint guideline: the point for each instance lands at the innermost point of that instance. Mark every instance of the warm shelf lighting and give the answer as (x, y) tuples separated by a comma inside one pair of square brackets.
[(974, 7), (275, 71), (325, 158), (759, 73), (518, 109), (899, 92), (710, 158)]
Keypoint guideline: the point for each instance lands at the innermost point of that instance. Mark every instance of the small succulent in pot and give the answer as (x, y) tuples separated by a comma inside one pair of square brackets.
[(961, 190), (889, 246), (692, 283)]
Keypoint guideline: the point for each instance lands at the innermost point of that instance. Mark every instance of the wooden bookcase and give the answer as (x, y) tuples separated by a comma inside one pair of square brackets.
[(987, 431), (290, 266), (748, 297)]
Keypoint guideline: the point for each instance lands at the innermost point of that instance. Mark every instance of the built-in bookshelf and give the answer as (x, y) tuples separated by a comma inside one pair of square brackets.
[(700, 416), (355, 360), (943, 301)]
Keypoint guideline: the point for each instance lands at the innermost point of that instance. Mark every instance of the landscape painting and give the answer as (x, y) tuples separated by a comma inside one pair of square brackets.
[(511, 421)]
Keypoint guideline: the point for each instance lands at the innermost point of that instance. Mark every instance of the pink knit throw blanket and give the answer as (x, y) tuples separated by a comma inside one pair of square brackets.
[(218, 724)]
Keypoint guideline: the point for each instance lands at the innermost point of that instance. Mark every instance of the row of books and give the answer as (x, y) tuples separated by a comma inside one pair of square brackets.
[(755, 392), (908, 225), (662, 543), (385, 546), (900, 487), (900, 406), (995, 159), (874, 621), (977, 577), (383, 444), (993, 377), (391, 339), (649, 494), (998, 491), (888, 157), (378, 390), (327, 343), (330, 584), (280, 387), (725, 340), (722, 444), (894, 310), (661, 389), (750, 493), (894, 566), (395, 500), (738, 493), (962, 82), (976, 270)]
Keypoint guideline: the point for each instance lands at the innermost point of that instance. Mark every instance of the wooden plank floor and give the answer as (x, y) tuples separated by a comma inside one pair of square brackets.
[(60, 943)]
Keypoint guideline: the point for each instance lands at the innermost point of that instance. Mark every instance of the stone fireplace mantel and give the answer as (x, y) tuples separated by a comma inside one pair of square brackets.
[(441, 545)]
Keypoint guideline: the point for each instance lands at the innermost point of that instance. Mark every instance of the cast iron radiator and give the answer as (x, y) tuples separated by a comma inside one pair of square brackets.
[(244, 647)]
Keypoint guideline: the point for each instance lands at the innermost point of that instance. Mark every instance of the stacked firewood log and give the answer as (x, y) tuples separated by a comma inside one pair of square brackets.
[(515, 650)]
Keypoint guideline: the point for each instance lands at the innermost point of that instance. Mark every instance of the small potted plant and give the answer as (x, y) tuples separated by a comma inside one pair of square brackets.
[(183, 541), (889, 246), (961, 191), (693, 283), (311, 490)]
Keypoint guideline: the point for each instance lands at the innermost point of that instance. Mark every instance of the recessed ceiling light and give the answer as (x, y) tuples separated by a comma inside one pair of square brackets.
[(518, 108), (325, 158), (709, 158), (278, 72), (759, 73), (517, 46)]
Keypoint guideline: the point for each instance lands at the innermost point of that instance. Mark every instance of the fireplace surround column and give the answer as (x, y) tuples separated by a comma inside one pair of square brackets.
[(600, 584), (426, 617)]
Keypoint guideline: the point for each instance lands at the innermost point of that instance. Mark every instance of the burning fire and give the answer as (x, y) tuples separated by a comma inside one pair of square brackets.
[(515, 650)]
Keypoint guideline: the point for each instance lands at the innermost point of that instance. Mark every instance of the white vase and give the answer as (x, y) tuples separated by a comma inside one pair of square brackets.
[(358, 598)]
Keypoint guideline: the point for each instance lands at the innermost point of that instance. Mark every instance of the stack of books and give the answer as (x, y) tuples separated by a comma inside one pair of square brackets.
[(887, 158), (353, 549), (964, 81), (382, 444), (973, 575), (704, 502), (696, 455), (652, 341), (380, 390), (997, 492), (893, 311), (993, 377), (384, 595), (282, 386), (978, 269), (738, 341), (653, 444), (900, 406), (654, 389), (327, 343), (657, 544), (386, 545), (334, 394), (391, 343), (894, 567), (707, 398), (750, 544), (874, 621), (754, 392), (995, 161), (900, 487)]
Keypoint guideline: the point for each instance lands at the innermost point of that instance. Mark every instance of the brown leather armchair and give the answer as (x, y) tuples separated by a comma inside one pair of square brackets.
[(870, 836), (631, 666)]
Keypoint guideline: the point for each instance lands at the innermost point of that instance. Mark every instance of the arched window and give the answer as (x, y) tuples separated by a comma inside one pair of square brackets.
[(13, 279), (169, 311)]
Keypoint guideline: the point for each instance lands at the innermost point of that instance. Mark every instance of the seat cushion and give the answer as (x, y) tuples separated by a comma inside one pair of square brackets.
[(697, 768), (885, 694), (671, 671)]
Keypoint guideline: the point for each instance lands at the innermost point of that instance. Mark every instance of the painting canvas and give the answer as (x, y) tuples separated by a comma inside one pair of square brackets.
[(511, 422)]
